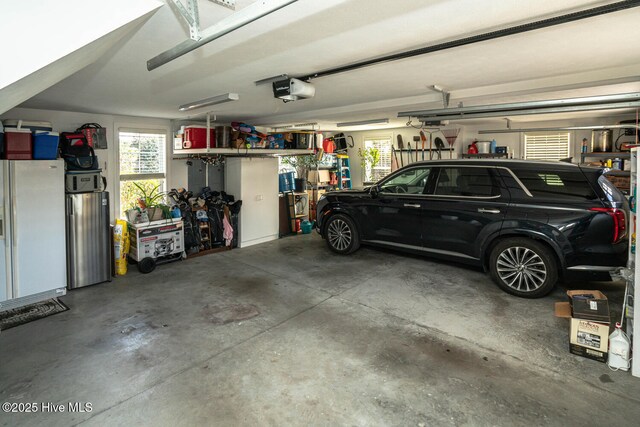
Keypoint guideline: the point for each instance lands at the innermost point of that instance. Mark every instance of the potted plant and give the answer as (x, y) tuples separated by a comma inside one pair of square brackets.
[(149, 203), (369, 158), (302, 165)]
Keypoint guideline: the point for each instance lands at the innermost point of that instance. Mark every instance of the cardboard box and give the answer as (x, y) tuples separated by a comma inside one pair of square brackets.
[(319, 176), (586, 338), (589, 339), (156, 239), (589, 305)]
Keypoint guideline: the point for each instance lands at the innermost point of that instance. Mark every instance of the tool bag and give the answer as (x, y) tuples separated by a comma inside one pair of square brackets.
[(76, 152), (96, 135)]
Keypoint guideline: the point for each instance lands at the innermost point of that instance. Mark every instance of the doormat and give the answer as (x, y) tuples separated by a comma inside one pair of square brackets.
[(28, 313)]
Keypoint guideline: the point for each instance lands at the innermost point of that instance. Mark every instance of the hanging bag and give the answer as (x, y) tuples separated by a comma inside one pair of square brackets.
[(76, 152), (96, 135)]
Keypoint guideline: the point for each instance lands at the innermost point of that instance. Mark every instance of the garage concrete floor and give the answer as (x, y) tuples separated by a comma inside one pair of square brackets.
[(287, 333)]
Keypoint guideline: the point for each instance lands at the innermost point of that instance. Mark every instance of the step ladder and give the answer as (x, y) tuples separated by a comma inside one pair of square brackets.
[(344, 172)]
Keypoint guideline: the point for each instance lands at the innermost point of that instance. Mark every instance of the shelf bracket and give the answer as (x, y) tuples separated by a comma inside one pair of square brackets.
[(191, 15)]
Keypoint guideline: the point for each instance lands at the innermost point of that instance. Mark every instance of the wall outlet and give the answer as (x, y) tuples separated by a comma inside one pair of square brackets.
[(259, 198)]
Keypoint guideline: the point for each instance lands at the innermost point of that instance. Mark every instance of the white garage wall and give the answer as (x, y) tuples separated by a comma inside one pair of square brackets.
[(469, 132), (65, 121)]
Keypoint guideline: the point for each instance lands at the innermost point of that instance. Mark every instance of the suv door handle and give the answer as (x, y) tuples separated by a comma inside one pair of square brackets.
[(411, 205), (485, 210)]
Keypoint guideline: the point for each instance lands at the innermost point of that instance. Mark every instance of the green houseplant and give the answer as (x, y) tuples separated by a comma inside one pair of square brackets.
[(369, 158), (151, 201)]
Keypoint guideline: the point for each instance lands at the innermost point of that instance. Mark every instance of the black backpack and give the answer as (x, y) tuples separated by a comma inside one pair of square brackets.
[(76, 152)]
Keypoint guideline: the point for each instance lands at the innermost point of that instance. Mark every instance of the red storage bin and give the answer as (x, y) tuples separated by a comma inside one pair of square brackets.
[(196, 137), (18, 144)]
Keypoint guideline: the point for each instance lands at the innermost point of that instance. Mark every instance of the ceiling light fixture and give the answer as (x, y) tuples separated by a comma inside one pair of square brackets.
[(220, 99), (363, 122)]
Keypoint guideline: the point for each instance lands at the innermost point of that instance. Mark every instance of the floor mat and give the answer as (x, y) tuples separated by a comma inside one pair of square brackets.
[(31, 312)]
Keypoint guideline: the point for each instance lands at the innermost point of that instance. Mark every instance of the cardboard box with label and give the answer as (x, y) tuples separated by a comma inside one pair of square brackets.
[(590, 319)]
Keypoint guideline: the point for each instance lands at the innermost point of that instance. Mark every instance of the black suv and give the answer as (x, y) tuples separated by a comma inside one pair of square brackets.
[(525, 222)]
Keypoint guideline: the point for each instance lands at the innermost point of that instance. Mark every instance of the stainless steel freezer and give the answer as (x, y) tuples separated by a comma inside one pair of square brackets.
[(88, 239)]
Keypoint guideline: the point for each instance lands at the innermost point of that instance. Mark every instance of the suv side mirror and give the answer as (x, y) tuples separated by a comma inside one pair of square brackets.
[(374, 190)]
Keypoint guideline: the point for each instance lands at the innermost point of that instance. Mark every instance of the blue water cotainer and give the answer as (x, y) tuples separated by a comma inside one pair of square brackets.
[(45, 145), (285, 181)]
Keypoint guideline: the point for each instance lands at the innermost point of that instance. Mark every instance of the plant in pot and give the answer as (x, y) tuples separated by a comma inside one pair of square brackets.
[(150, 203), (369, 159), (302, 165)]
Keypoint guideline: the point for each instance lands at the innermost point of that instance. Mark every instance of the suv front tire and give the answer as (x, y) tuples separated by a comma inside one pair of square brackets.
[(342, 235), (523, 267)]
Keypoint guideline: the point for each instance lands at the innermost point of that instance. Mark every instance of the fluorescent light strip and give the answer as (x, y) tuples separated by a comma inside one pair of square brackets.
[(220, 99), (363, 122)]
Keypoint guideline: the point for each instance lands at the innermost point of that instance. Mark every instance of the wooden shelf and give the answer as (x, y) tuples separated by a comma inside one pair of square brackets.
[(616, 172)]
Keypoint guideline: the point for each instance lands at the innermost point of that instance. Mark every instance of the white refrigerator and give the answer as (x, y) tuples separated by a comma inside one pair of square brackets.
[(32, 232)]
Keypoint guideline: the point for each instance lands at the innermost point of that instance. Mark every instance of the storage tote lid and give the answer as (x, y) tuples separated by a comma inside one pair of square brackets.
[(27, 123), (16, 130)]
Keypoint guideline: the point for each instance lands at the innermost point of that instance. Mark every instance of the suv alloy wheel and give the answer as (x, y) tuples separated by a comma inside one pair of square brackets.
[(523, 267), (342, 235)]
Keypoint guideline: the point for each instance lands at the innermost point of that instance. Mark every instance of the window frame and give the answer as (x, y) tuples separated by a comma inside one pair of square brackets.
[(378, 137), (130, 127), (527, 135)]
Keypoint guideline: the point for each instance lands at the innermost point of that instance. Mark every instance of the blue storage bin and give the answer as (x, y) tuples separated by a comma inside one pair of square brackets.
[(285, 181), (45, 145)]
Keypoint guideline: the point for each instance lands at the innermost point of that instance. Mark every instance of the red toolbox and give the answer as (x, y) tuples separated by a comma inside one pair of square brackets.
[(18, 144), (196, 137)]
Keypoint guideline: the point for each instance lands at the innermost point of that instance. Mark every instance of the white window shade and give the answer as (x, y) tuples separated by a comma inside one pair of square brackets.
[(546, 145), (142, 155), (383, 168)]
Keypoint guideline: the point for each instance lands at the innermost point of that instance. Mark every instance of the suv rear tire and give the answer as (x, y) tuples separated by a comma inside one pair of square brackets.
[(523, 267), (342, 235)]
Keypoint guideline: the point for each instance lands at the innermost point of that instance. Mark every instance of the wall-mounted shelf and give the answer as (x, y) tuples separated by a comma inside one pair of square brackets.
[(608, 155), (242, 152)]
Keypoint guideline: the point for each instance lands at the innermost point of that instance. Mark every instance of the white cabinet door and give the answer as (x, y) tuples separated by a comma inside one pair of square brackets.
[(38, 226)]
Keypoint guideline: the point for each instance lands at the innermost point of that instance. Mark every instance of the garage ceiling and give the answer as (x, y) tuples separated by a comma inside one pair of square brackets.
[(590, 57)]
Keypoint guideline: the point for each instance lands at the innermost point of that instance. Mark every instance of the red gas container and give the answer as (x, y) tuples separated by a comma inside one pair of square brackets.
[(196, 137), (18, 144)]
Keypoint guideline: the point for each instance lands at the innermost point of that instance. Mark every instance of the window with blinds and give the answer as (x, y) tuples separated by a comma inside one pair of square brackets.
[(383, 168), (546, 145), (142, 164)]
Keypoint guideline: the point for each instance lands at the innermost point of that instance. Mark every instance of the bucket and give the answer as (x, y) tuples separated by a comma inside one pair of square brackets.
[(306, 227), (300, 185), (484, 147), (601, 141)]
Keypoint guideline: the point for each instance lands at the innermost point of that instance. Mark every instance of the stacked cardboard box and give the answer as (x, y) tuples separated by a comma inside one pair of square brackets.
[(590, 319)]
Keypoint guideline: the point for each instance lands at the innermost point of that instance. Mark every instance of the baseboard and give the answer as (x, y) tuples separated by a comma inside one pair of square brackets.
[(266, 239)]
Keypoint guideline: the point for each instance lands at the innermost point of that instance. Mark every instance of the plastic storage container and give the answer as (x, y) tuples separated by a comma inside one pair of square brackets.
[(196, 137), (45, 145), (18, 144), (32, 125), (285, 181)]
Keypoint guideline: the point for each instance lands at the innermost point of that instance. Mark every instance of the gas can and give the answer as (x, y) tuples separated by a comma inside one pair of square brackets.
[(619, 347)]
